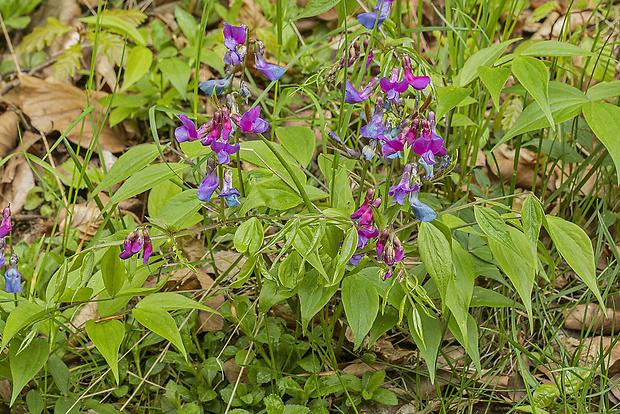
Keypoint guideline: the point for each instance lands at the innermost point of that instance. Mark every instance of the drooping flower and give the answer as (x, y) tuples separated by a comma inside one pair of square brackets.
[(218, 85), (234, 40), (376, 127), (188, 131), (351, 95), (137, 240), (251, 122), (271, 72), (229, 193), (5, 226), (420, 210), (209, 183), (369, 20), (148, 247), (369, 151), (244, 91), (12, 277), (393, 87), (417, 82), (370, 194), (430, 143), (403, 188)]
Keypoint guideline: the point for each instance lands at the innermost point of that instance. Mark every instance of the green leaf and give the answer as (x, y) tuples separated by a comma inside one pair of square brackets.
[(160, 322), (290, 270), (385, 397), (431, 340), (604, 90), (249, 236), (299, 141), (491, 298), (177, 72), (20, 317), (342, 198), (372, 381), (436, 254), (532, 73), (117, 25), (545, 395), (26, 364), (492, 224), (494, 80), (107, 337), (43, 36), (449, 97), (555, 48), (484, 57), (511, 255), (273, 193), (348, 246), (138, 63), (575, 247), (604, 119), (383, 323), (67, 63), (60, 372), (34, 401), (180, 210), (169, 301), (113, 271), (313, 297), (532, 217), (257, 153), (159, 195), (470, 342), (273, 404), (361, 304), (316, 7), (187, 23), (460, 288), (306, 242), (132, 16), (146, 179)]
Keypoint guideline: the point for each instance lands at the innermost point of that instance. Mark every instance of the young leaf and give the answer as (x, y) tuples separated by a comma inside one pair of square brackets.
[(107, 337), (290, 270), (532, 73), (160, 322), (604, 119), (306, 243), (575, 247), (471, 344), (138, 64), (249, 236), (492, 224), (449, 97), (431, 331), (532, 217), (132, 16), (67, 63), (177, 72), (603, 90), (484, 57), (20, 317), (43, 36), (313, 296), (436, 254), (361, 304), (299, 141), (187, 23), (494, 80), (113, 271), (60, 372), (117, 25), (26, 364)]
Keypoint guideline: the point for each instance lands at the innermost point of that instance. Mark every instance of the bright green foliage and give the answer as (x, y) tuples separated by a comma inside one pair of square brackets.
[(107, 337), (361, 304), (43, 36)]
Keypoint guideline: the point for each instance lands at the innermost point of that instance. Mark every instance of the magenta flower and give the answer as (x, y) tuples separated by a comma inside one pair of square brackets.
[(389, 248), (251, 122), (376, 127), (271, 72), (391, 148), (188, 131), (223, 150), (352, 96), (393, 87), (12, 277), (369, 20), (148, 247), (229, 193), (209, 183), (370, 194), (429, 144), (137, 240), (5, 226), (366, 229), (403, 188), (2, 258), (369, 57), (234, 40), (418, 82)]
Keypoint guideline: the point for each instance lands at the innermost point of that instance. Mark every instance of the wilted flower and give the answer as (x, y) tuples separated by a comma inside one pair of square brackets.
[(271, 72), (137, 240), (351, 95), (369, 151), (366, 229), (418, 82), (420, 210), (2, 259), (209, 183), (403, 188), (389, 248), (369, 20), (244, 91), (229, 193), (12, 277), (251, 122), (148, 247), (234, 40), (369, 57), (393, 87), (375, 128), (5, 226), (218, 85), (350, 153)]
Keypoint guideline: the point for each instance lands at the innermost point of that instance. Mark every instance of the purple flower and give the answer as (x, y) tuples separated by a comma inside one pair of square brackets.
[(368, 20), (420, 210), (209, 183), (369, 57), (391, 148), (223, 150), (251, 122), (393, 87), (351, 95), (229, 193), (5, 226), (148, 247), (218, 85), (355, 259), (389, 248), (418, 82), (137, 240), (12, 277), (430, 143), (234, 40), (375, 128), (188, 131), (403, 188), (2, 259), (271, 72), (370, 194)]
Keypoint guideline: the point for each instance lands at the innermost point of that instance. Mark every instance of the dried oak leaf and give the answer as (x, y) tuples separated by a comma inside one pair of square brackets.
[(17, 181), (55, 105), (590, 316), (8, 132)]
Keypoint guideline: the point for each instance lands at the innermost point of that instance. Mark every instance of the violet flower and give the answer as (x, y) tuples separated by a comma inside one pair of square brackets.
[(389, 248), (5, 226), (391, 148), (369, 151), (209, 183), (418, 82), (2, 259), (223, 150), (148, 247), (216, 130), (370, 194), (430, 143), (137, 240), (251, 122), (393, 87), (369, 57), (376, 18), (271, 72), (12, 278), (403, 188), (420, 210), (218, 85), (234, 40), (229, 193), (352, 96), (375, 128), (188, 131)]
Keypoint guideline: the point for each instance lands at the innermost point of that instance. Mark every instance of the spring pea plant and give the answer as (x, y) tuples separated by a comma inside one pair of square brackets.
[(355, 229)]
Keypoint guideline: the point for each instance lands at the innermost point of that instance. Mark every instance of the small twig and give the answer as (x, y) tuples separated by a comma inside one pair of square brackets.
[(8, 42)]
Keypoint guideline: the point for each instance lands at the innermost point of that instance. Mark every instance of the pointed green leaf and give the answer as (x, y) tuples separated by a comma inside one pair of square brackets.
[(107, 337), (249, 236), (460, 288), (160, 322), (361, 304), (532, 217), (113, 271), (117, 25), (604, 90), (494, 80), (471, 344), (429, 342), (20, 317), (313, 297), (604, 119), (436, 254), (484, 57), (555, 48), (26, 364), (138, 64), (169, 301), (299, 141), (177, 72), (449, 97), (533, 75)]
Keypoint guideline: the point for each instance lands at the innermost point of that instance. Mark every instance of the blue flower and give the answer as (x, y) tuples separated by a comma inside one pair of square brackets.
[(369, 20), (375, 128), (352, 96), (218, 85), (229, 193), (12, 278), (369, 151), (403, 188), (271, 72), (420, 210), (209, 183)]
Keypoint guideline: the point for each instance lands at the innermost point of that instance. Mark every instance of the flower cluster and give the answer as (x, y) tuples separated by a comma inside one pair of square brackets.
[(390, 250), (137, 240), (12, 277), (365, 221)]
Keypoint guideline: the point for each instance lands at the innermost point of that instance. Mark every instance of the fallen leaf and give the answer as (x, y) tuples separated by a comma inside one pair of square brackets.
[(358, 368), (8, 132), (232, 372), (82, 217), (17, 181), (386, 352), (590, 316), (54, 106)]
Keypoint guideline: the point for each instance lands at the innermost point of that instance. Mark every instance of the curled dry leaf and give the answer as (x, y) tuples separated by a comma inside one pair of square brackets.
[(590, 316), (17, 181), (83, 217), (358, 367), (386, 352), (55, 105), (8, 132), (526, 169)]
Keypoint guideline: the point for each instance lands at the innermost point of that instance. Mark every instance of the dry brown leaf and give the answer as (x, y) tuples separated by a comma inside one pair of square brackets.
[(232, 371), (55, 105), (8, 132), (17, 181), (82, 217), (386, 351), (358, 368), (590, 316), (251, 14), (224, 259)]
